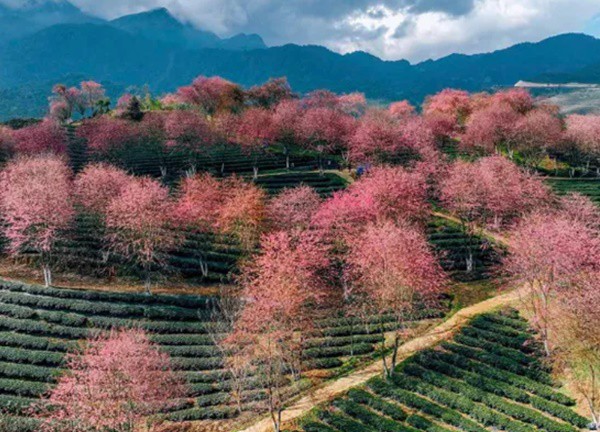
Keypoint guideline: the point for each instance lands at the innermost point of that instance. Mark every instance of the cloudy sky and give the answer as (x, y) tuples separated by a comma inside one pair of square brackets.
[(391, 29)]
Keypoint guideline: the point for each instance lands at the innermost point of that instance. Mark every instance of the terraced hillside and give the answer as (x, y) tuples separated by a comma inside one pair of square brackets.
[(39, 325), (324, 184), (587, 187), (490, 377), (455, 247)]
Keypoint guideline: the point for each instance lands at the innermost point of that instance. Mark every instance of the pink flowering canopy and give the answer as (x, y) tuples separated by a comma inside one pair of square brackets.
[(199, 202), (492, 191), (98, 184), (46, 136), (552, 248), (35, 201), (393, 266), (284, 282), (114, 382), (384, 194), (293, 208), (138, 220), (212, 95)]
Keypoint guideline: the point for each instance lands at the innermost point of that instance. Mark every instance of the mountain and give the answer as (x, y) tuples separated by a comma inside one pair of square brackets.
[(159, 25), (35, 15), (155, 49)]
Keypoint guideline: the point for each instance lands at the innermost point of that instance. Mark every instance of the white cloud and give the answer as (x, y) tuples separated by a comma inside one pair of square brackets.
[(392, 29), (490, 25)]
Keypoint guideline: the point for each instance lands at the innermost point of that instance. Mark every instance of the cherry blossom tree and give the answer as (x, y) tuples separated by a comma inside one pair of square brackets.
[(492, 191), (284, 120), (64, 102), (534, 133), (576, 338), (383, 194), (189, 132), (377, 138), (447, 111), (581, 209), (270, 94), (255, 132), (243, 212), (401, 109), (92, 95), (583, 139), (138, 223), (97, 185), (489, 128), (199, 200), (285, 289), (547, 252), (392, 270), (519, 100), (352, 104), (44, 137), (112, 383), (212, 95), (325, 130), (293, 209), (36, 206), (105, 135)]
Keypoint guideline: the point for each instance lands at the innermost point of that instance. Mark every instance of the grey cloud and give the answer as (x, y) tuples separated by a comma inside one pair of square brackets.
[(451, 7), (404, 29)]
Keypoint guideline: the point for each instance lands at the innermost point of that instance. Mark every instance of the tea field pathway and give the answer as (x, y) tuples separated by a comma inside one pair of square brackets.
[(439, 333)]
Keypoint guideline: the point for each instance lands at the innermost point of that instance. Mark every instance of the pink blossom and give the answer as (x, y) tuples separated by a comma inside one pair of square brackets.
[(401, 109), (98, 184), (47, 136), (35, 203), (113, 384), (293, 208)]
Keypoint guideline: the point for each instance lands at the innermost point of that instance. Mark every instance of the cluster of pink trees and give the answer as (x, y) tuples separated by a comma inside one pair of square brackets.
[(142, 219), (491, 191), (555, 253), (363, 250), (67, 101), (35, 206), (114, 382)]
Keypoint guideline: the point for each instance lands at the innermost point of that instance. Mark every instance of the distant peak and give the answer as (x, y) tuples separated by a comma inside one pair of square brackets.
[(160, 11), (47, 4)]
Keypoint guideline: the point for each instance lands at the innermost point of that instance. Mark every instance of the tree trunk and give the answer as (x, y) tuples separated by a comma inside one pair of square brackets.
[(469, 261), (591, 398), (321, 170), (287, 160), (255, 172), (203, 267), (47, 275), (163, 172), (148, 285)]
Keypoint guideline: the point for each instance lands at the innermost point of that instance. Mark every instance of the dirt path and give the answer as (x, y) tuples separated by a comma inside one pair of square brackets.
[(439, 333)]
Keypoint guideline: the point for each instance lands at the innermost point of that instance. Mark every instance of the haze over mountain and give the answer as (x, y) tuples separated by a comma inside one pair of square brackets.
[(52, 42)]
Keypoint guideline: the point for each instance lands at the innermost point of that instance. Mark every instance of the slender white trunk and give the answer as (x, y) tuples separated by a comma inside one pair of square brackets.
[(163, 171), (47, 275), (470, 262), (255, 171), (148, 285)]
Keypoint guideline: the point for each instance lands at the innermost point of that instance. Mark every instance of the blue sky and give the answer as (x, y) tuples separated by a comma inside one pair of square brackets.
[(392, 29)]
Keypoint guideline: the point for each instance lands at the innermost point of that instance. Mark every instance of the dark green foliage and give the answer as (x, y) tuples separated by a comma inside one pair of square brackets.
[(494, 382)]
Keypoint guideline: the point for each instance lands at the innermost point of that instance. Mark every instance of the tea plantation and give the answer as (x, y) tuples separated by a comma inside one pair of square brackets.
[(489, 377), (39, 325)]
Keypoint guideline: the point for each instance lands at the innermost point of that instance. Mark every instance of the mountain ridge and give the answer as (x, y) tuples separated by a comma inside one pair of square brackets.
[(156, 49)]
